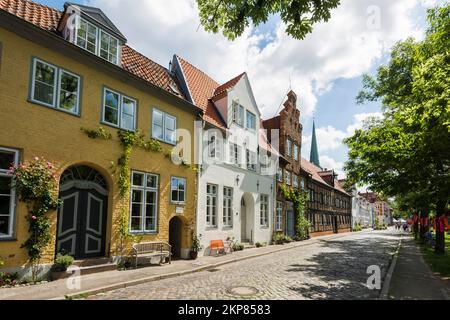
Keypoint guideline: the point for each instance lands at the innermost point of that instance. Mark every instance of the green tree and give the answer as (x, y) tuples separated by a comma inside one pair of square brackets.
[(408, 150), (233, 16)]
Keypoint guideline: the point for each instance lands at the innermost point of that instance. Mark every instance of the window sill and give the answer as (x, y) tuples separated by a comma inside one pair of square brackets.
[(143, 233), (165, 142), (211, 228), (29, 100), (180, 204), (227, 228), (111, 125), (8, 239)]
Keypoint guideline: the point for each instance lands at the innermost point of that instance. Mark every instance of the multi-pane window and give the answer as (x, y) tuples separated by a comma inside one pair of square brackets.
[(109, 47), (87, 36), (288, 178), (238, 114), (55, 87), (214, 145), (302, 183), (296, 152), (164, 127), (119, 110), (211, 205), (235, 154), (144, 202), (8, 158), (251, 160), (178, 190), (296, 178), (97, 41), (251, 121), (279, 217), (288, 147), (227, 207), (279, 174), (264, 210)]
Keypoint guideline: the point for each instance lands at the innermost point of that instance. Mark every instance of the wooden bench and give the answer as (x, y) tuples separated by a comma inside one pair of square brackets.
[(152, 249)]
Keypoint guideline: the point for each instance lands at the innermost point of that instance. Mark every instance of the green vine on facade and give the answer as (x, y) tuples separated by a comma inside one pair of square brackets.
[(36, 184), (99, 133), (299, 199)]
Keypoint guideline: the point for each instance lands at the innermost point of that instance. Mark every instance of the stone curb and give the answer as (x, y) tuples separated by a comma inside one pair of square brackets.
[(132, 283), (384, 294)]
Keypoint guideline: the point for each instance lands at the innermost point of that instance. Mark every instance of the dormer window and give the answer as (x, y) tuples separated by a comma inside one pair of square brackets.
[(97, 41)]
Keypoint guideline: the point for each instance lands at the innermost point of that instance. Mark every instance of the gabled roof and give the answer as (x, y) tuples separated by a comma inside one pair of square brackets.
[(202, 88), (98, 16), (228, 85), (133, 62)]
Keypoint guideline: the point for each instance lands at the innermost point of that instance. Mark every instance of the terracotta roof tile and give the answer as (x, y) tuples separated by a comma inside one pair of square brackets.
[(132, 61), (202, 88), (315, 170), (230, 84), (42, 16)]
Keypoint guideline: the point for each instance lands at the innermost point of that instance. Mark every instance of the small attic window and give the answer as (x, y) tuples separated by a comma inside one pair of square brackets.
[(97, 41), (174, 89)]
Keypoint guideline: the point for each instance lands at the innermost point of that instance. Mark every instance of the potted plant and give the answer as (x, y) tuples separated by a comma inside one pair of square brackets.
[(59, 269), (196, 247)]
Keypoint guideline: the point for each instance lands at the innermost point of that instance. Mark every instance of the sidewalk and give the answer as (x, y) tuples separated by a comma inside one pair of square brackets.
[(413, 279), (111, 280)]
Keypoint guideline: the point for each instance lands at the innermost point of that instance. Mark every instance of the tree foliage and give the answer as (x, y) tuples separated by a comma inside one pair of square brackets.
[(233, 16), (408, 150)]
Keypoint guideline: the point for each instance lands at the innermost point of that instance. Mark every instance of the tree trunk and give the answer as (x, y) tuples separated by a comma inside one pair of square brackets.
[(424, 229), (440, 236)]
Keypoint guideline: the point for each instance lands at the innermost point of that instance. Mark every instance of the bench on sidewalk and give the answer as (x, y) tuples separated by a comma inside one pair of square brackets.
[(220, 247), (152, 249)]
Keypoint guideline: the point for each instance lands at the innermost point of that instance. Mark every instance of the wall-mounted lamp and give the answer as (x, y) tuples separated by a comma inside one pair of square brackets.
[(257, 185), (237, 179)]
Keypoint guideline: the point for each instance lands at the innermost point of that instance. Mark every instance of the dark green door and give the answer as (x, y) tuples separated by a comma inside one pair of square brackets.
[(290, 223), (82, 223)]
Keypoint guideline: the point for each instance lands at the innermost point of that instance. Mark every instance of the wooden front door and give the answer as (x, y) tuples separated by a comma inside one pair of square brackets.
[(82, 219), (290, 223)]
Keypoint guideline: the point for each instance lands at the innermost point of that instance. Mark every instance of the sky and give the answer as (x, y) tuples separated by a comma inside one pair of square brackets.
[(325, 69)]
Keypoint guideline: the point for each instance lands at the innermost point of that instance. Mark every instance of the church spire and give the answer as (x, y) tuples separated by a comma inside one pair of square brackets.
[(314, 150)]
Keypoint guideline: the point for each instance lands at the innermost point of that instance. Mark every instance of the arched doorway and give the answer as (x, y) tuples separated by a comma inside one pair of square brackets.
[(175, 236), (82, 216)]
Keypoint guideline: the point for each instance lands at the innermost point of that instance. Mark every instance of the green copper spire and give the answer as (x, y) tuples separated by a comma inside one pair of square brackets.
[(314, 150)]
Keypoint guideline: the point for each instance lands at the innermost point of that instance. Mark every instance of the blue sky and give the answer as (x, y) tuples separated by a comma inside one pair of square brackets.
[(325, 69)]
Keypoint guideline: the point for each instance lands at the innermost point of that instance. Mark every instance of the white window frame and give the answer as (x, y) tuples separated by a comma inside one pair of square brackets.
[(228, 207), (144, 188), (97, 41), (214, 146), (296, 152), (279, 174), (56, 87), (247, 113), (264, 210), (12, 206), (110, 36), (235, 154), (250, 160), (211, 210), (178, 190), (279, 217), (165, 116), (288, 178), (119, 110), (238, 114)]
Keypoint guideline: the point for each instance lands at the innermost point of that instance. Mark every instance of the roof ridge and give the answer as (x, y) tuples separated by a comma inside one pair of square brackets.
[(198, 69)]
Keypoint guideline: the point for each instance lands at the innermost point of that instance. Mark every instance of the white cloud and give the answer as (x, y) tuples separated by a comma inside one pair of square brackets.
[(329, 163), (344, 47)]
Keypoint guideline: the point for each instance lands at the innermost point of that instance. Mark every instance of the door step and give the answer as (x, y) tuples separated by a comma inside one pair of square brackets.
[(248, 245), (94, 269), (91, 262)]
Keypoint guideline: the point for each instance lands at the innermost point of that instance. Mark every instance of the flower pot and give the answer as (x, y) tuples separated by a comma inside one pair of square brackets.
[(194, 255)]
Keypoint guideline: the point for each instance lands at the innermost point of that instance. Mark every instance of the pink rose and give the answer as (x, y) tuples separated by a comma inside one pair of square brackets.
[(34, 218), (36, 158)]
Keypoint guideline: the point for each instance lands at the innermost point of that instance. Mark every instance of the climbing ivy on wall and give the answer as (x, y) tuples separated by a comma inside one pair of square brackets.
[(299, 198), (36, 184)]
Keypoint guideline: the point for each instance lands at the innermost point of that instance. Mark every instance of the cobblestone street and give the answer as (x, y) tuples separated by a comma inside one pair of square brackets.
[(329, 269)]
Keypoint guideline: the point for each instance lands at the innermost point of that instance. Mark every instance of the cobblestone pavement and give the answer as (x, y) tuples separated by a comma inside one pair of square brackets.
[(329, 269)]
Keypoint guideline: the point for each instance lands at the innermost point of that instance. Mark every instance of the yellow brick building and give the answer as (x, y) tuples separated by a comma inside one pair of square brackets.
[(54, 81)]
